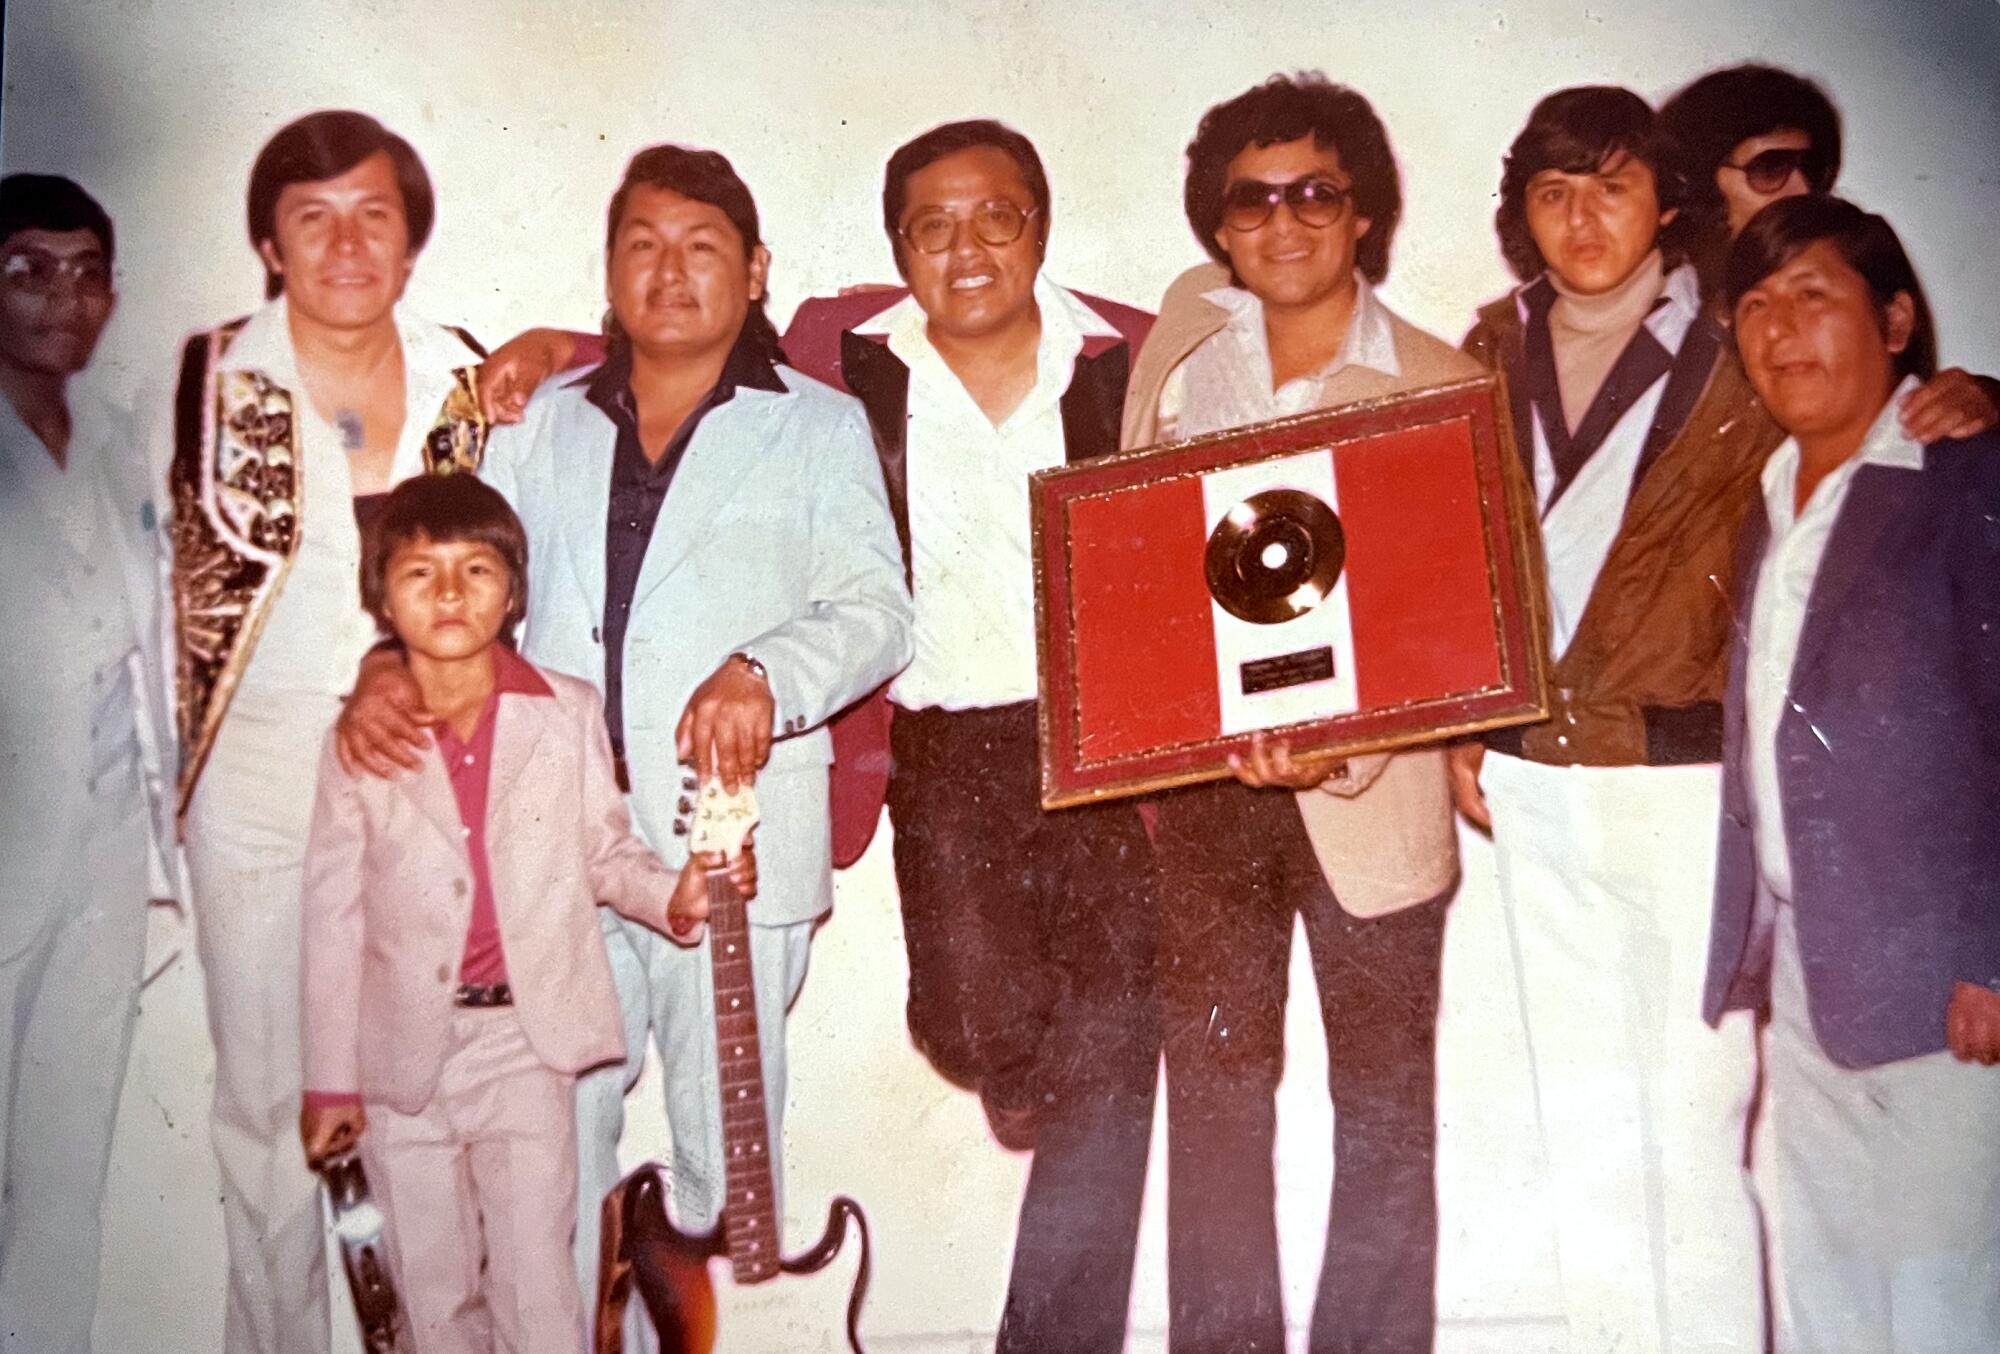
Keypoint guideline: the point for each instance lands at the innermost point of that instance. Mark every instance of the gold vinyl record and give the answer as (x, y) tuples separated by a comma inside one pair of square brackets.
[(1275, 556)]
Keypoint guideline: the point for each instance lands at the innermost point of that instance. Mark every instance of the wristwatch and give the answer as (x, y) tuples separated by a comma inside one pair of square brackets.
[(763, 674)]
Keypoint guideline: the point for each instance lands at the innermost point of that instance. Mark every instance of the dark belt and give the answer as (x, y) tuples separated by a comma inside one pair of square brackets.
[(937, 739), (485, 994), (623, 776), (1676, 735)]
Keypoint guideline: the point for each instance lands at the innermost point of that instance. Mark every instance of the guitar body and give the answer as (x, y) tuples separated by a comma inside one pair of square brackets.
[(640, 1245), (642, 1250)]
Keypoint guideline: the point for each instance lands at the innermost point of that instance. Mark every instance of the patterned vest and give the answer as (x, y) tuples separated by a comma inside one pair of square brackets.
[(235, 488)]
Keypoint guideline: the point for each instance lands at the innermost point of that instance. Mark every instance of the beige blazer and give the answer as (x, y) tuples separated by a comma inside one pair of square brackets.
[(1383, 831), (388, 898)]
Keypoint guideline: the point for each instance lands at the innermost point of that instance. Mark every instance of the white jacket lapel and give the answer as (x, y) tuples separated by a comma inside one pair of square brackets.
[(718, 464), (430, 790), (583, 483), (519, 725)]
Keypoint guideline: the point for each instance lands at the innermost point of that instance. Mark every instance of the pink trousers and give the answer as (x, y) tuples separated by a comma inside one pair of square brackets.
[(486, 1172)]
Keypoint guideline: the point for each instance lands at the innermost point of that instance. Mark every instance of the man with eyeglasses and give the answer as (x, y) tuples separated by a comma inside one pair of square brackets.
[(1751, 134), (1294, 192), (86, 821), (1030, 934)]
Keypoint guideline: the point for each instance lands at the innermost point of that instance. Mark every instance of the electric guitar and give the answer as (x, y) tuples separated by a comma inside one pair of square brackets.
[(639, 1242)]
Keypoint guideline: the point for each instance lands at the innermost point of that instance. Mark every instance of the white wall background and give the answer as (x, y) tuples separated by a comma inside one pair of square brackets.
[(526, 114)]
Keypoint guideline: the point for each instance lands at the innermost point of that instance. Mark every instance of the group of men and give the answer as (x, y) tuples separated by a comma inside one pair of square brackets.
[(735, 552)]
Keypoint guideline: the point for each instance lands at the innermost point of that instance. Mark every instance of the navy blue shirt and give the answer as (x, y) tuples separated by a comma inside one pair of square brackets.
[(639, 487)]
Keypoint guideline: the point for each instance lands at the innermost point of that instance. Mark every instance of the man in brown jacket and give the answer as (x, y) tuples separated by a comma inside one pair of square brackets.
[(1643, 442), (1292, 188)]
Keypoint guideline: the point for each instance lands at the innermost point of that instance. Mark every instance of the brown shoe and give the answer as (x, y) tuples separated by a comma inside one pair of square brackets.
[(1014, 1126)]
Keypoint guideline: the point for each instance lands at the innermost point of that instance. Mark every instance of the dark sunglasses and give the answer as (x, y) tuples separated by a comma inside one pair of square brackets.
[(1769, 170), (1249, 203)]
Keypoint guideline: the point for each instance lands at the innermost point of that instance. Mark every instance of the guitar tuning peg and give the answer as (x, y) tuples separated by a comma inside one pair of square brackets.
[(680, 829), (686, 805)]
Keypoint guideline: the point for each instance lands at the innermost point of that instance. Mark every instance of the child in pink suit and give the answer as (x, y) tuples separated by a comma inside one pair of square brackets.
[(455, 980)]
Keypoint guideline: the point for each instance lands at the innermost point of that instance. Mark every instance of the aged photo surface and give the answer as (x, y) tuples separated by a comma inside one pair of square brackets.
[(525, 114)]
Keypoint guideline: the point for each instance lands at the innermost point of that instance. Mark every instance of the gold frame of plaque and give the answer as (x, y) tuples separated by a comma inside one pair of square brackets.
[(1427, 561)]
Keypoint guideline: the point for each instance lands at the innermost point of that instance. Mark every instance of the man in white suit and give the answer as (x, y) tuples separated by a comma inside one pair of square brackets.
[(710, 544), (85, 822)]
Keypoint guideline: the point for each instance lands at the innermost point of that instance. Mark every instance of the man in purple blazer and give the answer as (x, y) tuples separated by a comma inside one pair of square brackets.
[(1858, 882)]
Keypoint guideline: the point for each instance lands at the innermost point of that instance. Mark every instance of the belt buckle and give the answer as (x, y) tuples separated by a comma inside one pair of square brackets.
[(481, 995)]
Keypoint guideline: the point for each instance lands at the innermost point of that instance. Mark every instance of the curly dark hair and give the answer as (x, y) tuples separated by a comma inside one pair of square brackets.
[(1721, 110), (1576, 131), (1288, 108)]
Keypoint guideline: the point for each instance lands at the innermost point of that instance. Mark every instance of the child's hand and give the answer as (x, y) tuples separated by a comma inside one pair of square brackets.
[(328, 1130), (743, 871), (687, 910)]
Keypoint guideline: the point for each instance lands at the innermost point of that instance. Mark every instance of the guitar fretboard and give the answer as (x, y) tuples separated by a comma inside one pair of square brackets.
[(749, 1220)]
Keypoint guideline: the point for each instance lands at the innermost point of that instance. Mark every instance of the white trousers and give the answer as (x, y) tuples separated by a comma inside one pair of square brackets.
[(1885, 1192), (1607, 878), (72, 943), (670, 991), (246, 839), (478, 1189)]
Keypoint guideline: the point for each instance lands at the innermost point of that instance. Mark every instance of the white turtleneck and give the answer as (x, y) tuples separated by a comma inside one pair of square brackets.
[(1589, 332)]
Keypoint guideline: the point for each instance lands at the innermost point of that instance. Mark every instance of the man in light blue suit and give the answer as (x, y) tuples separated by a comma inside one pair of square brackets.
[(86, 820), (710, 543), (1858, 879)]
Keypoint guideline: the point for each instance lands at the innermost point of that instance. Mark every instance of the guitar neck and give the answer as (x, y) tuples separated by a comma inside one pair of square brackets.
[(750, 1221)]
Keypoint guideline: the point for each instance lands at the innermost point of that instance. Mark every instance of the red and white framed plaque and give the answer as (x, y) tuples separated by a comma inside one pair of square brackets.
[(1356, 579)]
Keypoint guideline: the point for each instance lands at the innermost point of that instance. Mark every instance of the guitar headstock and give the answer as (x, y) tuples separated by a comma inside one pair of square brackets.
[(722, 821)]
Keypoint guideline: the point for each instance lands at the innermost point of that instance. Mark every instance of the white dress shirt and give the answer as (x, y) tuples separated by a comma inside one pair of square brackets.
[(971, 546), (1577, 531), (1226, 382), (1778, 613)]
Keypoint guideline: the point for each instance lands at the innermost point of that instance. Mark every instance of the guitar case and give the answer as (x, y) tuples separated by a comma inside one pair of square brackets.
[(357, 1223)]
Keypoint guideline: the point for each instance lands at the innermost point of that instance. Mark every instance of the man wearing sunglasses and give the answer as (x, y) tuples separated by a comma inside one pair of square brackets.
[(86, 821), (1293, 191), (1749, 135)]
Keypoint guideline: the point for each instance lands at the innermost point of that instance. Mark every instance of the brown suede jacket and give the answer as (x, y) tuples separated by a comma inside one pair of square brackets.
[(1642, 680)]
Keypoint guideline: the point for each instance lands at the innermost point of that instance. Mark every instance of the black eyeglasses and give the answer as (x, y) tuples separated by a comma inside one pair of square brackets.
[(1769, 170), (36, 272), (996, 223), (1249, 203)]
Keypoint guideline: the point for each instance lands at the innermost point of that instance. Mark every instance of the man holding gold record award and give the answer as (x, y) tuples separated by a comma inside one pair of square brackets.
[(1293, 189)]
